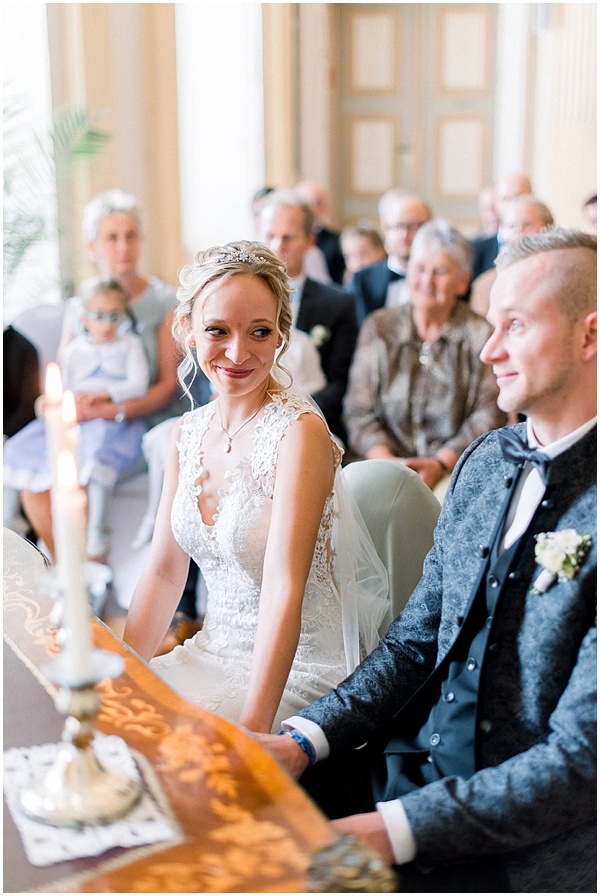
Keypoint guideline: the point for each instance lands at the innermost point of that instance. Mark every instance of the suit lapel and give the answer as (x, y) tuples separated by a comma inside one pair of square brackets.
[(305, 317)]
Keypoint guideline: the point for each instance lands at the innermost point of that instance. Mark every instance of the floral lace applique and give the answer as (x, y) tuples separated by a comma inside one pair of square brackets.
[(212, 669)]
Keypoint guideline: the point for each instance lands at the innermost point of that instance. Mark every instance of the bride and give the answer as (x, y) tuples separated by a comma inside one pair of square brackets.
[(253, 492)]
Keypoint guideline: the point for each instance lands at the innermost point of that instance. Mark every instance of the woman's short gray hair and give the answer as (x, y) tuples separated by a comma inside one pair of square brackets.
[(111, 202), (441, 235), (213, 267)]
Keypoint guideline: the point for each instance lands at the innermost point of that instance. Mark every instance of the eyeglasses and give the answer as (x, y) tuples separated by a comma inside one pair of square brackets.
[(113, 317), (408, 226)]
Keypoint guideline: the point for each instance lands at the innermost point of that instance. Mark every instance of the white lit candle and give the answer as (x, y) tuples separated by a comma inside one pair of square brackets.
[(71, 430), (69, 524), (53, 416)]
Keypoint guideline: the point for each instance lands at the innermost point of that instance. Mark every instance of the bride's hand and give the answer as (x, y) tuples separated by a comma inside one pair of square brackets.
[(287, 752)]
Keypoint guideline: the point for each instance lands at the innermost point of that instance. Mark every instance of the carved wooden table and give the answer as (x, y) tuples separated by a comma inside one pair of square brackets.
[(244, 825)]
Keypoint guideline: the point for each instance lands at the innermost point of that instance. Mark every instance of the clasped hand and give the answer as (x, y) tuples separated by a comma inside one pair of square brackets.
[(428, 468), (89, 405), (367, 826)]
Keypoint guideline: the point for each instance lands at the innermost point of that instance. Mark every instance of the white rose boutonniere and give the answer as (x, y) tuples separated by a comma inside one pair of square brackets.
[(319, 335), (560, 554)]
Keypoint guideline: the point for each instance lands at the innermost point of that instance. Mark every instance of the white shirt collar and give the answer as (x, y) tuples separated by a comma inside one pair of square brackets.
[(296, 286), (555, 448), (395, 266)]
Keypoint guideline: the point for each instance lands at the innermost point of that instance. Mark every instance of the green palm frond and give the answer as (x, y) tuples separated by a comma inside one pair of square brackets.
[(35, 160)]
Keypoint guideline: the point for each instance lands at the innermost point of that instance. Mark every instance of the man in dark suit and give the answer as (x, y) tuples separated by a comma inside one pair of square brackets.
[(325, 312), (326, 239), (477, 712), (487, 245), (383, 283)]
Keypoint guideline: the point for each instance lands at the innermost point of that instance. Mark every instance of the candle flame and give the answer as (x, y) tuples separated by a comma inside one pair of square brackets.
[(69, 413), (66, 470), (54, 388)]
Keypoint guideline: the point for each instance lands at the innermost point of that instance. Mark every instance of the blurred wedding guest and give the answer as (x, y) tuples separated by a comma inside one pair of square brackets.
[(487, 204), (112, 232), (314, 263), (418, 391), (327, 239), (20, 382), (251, 493), (476, 715), (383, 283), (362, 245), (256, 204), (325, 312), (487, 246), (590, 211), (104, 362), (523, 214), (21, 387)]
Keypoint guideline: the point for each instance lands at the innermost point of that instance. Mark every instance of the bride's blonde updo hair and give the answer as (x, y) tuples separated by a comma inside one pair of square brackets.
[(213, 267)]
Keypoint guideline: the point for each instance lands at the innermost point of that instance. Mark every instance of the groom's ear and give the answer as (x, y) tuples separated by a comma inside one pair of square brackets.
[(590, 336)]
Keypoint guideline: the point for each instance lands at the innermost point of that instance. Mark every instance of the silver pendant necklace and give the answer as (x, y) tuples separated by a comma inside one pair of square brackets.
[(231, 437)]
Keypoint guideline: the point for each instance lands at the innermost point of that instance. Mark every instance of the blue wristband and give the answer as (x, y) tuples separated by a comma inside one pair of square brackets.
[(304, 744)]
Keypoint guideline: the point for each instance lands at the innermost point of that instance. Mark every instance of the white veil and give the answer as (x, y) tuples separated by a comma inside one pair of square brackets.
[(362, 577)]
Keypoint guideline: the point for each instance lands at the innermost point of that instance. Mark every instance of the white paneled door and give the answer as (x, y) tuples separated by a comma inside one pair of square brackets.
[(415, 105)]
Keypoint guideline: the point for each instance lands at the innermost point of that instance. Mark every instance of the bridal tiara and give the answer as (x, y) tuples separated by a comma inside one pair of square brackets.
[(236, 255)]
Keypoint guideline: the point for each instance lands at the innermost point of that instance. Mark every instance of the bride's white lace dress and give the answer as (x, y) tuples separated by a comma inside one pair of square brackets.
[(212, 668)]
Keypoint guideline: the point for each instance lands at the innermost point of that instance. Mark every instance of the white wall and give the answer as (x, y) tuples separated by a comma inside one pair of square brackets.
[(510, 146), (220, 108), (564, 136), (26, 74)]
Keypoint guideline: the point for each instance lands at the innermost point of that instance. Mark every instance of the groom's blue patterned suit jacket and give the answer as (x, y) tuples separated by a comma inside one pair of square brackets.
[(532, 800)]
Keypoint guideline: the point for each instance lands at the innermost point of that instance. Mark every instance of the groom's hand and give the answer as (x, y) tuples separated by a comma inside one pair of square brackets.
[(369, 827), (286, 751)]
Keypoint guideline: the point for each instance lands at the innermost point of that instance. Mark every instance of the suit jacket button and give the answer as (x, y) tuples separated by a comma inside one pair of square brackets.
[(508, 480), (493, 582), (434, 740), (459, 620), (515, 575), (547, 504), (448, 697), (486, 726), (471, 664), (489, 621), (493, 648), (483, 550)]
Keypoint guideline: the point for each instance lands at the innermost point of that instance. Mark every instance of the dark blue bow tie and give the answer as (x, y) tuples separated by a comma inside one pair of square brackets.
[(516, 451)]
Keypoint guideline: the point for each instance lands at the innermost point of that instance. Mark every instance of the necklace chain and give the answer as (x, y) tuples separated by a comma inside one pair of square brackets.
[(231, 437)]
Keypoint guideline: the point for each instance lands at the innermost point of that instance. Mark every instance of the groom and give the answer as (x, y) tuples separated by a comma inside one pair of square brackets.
[(476, 715)]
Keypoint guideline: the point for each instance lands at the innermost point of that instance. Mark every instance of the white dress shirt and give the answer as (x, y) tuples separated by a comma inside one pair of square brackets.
[(397, 291)]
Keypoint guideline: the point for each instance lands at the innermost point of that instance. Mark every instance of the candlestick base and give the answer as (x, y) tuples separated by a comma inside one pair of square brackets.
[(77, 790)]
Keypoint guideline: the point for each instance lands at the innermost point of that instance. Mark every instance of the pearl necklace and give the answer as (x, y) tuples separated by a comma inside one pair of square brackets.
[(230, 438)]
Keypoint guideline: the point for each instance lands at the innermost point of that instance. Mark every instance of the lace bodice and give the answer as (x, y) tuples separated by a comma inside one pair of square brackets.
[(230, 554)]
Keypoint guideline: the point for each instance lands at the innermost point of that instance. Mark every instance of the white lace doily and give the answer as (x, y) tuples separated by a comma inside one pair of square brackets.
[(145, 823)]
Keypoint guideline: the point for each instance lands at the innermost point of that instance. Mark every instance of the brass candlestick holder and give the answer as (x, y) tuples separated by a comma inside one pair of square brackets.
[(77, 790)]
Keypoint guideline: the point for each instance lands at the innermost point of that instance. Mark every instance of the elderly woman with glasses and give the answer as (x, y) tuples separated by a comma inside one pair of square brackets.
[(112, 230), (418, 391)]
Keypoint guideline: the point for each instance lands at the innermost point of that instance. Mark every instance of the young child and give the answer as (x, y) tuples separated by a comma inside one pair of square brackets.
[(105, 361)]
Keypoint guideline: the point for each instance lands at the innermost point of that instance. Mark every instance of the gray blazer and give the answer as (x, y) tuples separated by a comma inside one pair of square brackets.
[(533, 800)]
